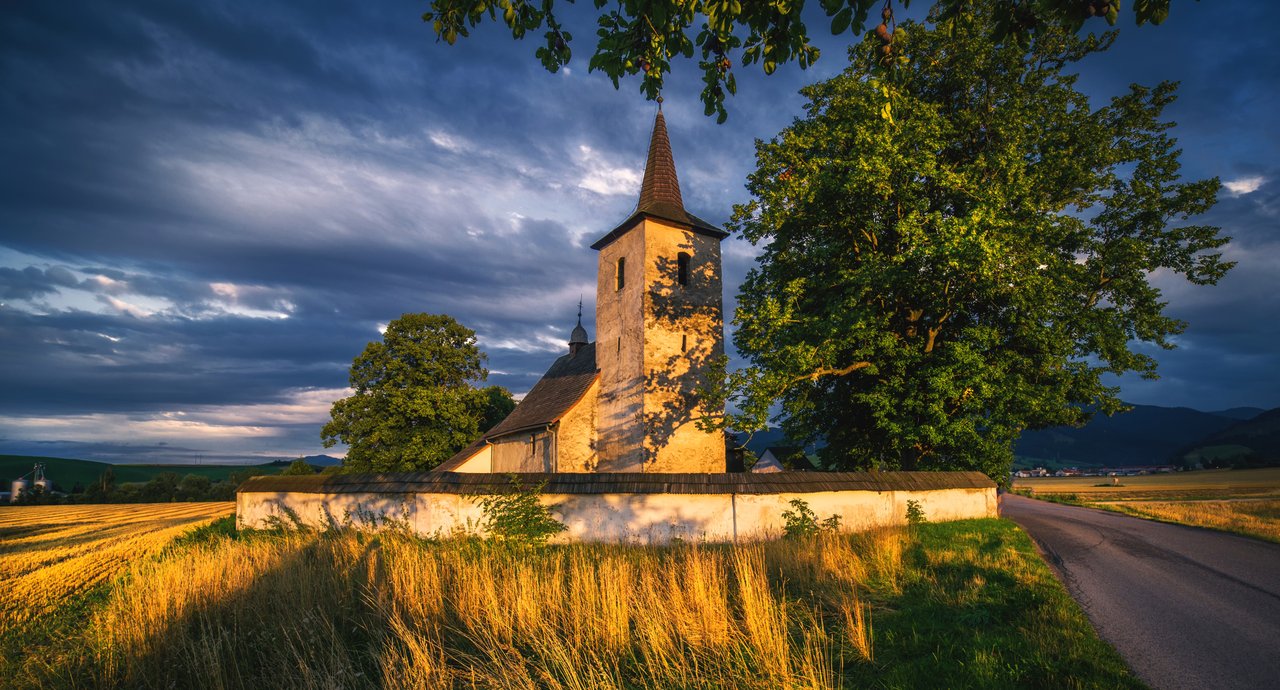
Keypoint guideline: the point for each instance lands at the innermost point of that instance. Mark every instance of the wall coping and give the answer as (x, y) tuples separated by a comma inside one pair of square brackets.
[(618, 482)]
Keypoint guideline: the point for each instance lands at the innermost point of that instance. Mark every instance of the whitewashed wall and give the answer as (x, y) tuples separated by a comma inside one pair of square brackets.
[(650, 518)]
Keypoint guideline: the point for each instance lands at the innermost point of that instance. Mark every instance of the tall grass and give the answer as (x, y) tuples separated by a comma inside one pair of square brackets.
[(1256, 518), (353, 610)]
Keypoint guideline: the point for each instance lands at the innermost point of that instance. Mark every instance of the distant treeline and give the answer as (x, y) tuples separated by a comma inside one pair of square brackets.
[(165, 487)]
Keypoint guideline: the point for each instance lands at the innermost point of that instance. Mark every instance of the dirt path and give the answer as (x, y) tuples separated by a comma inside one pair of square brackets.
[(1186, 607)]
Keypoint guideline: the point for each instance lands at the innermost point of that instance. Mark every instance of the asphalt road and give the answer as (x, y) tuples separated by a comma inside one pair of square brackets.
[(1186, 607)]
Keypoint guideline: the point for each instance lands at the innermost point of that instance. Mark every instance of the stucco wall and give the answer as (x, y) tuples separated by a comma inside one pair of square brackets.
[(576, 434), (527, 451), (619, 517), (481, 461)]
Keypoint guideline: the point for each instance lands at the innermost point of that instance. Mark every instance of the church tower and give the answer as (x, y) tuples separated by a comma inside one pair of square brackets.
[(659, 323)]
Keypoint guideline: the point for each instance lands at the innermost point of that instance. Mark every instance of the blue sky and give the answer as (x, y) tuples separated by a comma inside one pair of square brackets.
[(207, 209)]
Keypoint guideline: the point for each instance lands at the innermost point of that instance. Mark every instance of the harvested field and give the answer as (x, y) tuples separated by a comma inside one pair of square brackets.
[(48, 553), (1241, 501), (1204, 485)]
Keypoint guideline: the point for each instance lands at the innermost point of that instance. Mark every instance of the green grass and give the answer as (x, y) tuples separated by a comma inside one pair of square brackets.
[(981, 609)]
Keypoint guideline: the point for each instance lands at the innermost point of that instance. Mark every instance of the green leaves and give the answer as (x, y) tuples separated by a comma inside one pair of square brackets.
[(642, 37), (414, 404), (928, 285)]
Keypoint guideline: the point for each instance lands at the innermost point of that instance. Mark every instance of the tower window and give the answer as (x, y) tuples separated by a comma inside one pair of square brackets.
[(619, 343), (622, 273), (682, 268), (684, 343)]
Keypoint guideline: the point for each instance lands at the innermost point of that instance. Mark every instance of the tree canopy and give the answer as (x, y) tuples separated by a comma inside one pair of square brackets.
[(643, 37), (960, 254), (414, 403)]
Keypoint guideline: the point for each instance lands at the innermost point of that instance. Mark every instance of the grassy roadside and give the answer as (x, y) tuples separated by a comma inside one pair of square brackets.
[(965, 604), (1251, 517)]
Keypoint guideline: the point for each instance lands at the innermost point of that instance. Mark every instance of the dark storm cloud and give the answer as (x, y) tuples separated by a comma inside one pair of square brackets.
[(206, 209)]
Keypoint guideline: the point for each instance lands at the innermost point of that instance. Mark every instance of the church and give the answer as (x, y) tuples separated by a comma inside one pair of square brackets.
[(610, 432), (629, 401)]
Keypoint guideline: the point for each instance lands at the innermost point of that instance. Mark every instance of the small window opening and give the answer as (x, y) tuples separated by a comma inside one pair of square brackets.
[(682, 268), (684, 343), (622, 273), (619, 343)]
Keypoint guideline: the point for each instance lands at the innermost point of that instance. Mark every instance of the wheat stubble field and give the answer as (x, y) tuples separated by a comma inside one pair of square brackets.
[(965, 604), (50, 553)]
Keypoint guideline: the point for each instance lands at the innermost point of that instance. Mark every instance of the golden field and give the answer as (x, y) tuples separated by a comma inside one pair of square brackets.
[(48, 553), (969, 604), (1254, 517), (1240, 501), (1202, 484)]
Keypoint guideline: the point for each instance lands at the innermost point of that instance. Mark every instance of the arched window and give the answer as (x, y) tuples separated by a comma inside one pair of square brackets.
[(682, 268), (622, 273)]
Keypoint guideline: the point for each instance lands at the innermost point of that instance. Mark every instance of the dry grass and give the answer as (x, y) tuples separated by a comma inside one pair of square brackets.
[(969, 602), (459, 614), (1257, 518), (48, 553)]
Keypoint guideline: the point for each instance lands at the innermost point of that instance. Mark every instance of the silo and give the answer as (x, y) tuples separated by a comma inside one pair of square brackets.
[(45, 485), (19, 488)]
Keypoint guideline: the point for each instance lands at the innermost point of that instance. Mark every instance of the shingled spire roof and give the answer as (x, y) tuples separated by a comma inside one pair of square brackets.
[(660, 191)]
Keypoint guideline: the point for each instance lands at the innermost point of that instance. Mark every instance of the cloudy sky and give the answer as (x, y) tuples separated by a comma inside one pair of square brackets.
[(207, 209)]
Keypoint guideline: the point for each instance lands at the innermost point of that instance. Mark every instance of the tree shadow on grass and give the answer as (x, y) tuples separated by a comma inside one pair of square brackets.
[(299, 623)]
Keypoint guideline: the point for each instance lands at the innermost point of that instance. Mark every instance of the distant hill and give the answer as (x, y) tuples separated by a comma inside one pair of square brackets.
[(67, 472), (322, 460), (1145, 435), (1253, 442), (1241, 413)]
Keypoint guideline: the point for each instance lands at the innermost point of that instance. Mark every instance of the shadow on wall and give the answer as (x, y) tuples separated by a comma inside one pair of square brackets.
[(337, 511), (692, 315), (642, 518)]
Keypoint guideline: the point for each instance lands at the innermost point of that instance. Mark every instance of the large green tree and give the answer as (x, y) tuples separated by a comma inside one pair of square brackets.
[(415, 402), (643, 37), (960, 254)]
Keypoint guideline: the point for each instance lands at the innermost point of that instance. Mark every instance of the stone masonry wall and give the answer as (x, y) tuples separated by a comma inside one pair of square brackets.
[(683, 333)]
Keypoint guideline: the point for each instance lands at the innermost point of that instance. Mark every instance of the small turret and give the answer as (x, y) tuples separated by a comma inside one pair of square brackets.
[(577, 339)]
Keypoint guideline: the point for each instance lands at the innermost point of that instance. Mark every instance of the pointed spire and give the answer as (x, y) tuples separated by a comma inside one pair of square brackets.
[(660, 192), (578, 339)]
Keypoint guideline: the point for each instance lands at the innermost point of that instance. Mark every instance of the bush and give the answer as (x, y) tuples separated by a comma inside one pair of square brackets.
[(519, 516), (801, 521), (915, 514)]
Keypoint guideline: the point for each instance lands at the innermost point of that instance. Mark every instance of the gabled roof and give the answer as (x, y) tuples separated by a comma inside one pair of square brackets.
[(559, 389), (563, 385), (660, 192), (790, 457)]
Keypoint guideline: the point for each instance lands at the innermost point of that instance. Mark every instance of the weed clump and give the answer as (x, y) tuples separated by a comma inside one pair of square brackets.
[(520, 517), (801, 521)]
